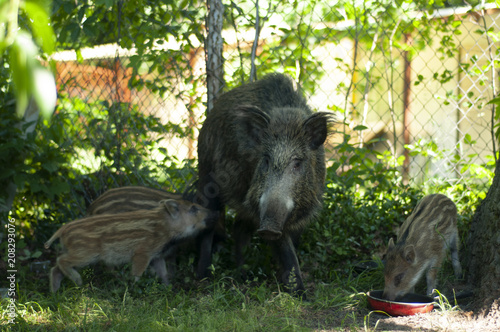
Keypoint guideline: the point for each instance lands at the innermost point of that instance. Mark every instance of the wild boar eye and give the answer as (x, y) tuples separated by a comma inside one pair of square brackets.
[(193, 209), (398, 279), (296, 165), (265, 163)]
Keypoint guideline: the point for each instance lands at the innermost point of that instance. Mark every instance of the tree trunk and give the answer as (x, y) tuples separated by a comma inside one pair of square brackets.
[(213, 51), (483, 254)]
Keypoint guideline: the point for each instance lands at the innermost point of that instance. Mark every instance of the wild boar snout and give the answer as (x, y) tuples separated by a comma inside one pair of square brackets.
[(274, 211)]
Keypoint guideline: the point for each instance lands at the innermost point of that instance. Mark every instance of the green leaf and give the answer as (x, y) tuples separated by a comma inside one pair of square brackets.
[(468, 139), (44, 90), (106, 3), (36, 254), (360, 127), (22, 56), (59, 187), (79, 56), (495, 101), (40, 23), (183, 4), (50, 166), (37, 187)]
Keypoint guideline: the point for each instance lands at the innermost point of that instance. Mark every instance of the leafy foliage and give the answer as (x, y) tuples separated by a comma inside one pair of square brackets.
[(365, 205), (20, 21), (91, 145)]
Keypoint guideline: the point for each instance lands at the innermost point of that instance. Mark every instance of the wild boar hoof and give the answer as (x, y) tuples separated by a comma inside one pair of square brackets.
[(269, 234)]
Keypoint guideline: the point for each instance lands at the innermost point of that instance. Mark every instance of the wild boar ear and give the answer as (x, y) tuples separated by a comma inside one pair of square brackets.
[(317, 128), (250, 122), (391, 244), (409, 253), (172, 207)]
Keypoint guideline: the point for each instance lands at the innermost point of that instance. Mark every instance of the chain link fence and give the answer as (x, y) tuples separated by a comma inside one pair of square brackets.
[(403, 80)]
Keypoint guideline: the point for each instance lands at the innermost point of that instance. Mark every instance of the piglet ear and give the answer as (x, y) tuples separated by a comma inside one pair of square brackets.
[(317, 128), (409, 253), (172, 207), (250, 122)]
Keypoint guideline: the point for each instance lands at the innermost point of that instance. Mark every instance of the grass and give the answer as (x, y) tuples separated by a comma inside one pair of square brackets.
[(108, 301)]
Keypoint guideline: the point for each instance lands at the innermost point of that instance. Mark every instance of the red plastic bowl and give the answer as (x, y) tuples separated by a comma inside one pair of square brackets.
[(410, 304)]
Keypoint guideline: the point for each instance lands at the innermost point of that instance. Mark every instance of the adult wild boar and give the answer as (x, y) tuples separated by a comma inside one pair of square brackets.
[(261, 153)]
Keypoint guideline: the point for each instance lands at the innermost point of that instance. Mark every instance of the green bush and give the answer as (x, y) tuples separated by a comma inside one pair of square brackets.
[(362, 207), (56, 178), (364, 200)]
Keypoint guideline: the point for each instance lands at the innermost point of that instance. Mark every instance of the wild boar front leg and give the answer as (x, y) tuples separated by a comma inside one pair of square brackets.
[(431, 276), (204, 244), (170, 261), (455, 261), (140, 262), (158, 265), (284, 250), (242, 235)]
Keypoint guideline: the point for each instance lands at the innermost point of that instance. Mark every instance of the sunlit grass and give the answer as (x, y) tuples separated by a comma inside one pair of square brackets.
[(223, 304)]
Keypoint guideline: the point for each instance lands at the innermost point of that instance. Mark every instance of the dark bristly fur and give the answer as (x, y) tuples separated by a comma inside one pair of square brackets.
[(140, 237), (261, 153), (421, 246)]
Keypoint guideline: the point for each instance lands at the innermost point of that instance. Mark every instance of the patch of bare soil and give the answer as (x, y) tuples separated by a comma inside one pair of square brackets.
[(467, 315), (452, 320), (437, 320)]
